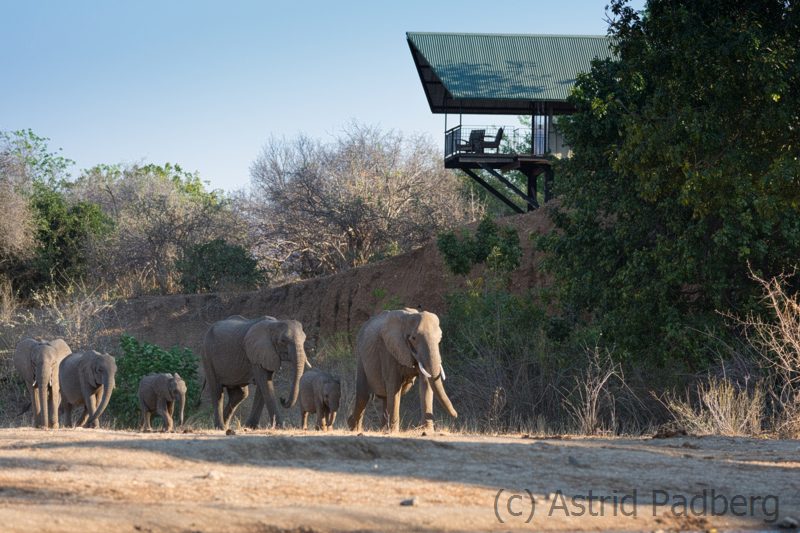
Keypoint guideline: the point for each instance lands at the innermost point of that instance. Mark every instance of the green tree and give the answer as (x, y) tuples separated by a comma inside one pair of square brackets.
[(63, 231), (685, 171), (217, 265)]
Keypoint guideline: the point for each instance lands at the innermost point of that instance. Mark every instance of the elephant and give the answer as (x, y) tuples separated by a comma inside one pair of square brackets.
[(87, 379), (158, 394), (238, 351), (38, 362), (392, 348), (319, 393)]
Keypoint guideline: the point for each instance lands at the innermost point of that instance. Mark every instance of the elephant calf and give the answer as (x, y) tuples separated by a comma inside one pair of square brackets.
[(87, 379), (319, 393), (158, 394)]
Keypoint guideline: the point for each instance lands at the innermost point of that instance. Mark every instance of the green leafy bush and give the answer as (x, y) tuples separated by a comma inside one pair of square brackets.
[(496, 246), (141, 358), (217, 265)]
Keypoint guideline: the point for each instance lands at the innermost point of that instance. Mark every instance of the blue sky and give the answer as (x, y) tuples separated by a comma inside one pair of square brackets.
[(205, 84)]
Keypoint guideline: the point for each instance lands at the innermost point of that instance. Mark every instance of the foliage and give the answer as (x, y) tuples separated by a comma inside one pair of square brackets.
[(684, 171), (63, 232), (158, 211), (217, 265), (141, 358), (323, 208), (44, 233), (496, 246)]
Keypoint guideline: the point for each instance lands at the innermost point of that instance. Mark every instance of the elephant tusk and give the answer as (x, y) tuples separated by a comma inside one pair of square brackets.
[(308, 365), (444, 377), (422, 369)]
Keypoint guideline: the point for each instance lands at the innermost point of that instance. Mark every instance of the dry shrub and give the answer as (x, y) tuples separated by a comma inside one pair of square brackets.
[(591, 402), (720, 407), (777, 340), (76, 313)]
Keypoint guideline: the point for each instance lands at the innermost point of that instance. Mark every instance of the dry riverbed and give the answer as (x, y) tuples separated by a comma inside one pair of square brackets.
[(100, 480)]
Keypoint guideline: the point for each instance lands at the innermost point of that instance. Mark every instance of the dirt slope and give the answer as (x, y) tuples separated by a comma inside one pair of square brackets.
[(98, 481), (337, 303)]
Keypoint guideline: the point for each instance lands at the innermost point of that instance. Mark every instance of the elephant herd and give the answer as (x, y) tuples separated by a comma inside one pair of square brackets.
[(393, 349)]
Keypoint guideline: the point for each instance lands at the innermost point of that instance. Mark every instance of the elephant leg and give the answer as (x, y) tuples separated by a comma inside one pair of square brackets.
[(163, 412), (356, 420), (266, 390), (54, 400), (84, 416), (275, 419), (145, 418), (394, 392), (426, 403), (320, 410), (236, 396), (254, 418), (384, 414), (217, 397), (65, 413), (95, 403), (304, 420)]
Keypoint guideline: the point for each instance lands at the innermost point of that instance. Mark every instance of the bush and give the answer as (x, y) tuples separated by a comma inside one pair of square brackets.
[(496, 246), (141, 358), (217, 265), (720, 408)]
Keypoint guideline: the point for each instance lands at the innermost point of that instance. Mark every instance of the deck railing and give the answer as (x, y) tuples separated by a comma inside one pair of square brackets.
[(483, 140)]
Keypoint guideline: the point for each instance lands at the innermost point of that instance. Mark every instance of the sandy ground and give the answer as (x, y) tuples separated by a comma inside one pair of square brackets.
[(100, 480)]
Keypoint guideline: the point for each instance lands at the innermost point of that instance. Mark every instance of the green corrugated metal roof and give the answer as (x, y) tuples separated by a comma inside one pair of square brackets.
[(506, 67)]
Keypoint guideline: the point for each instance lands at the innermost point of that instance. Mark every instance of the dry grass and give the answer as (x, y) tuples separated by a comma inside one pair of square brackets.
[(719, 407)]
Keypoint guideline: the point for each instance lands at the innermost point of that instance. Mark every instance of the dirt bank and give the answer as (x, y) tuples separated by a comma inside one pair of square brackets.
[(98, 480), (333, 304)]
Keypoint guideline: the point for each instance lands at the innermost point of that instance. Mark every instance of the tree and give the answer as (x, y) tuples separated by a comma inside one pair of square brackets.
[(217, 265), (685, 171), (158, 211), (25, 159), (323, 208)]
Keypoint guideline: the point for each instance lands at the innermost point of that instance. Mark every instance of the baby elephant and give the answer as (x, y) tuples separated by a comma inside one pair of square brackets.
[(158, 394), (319, 393)]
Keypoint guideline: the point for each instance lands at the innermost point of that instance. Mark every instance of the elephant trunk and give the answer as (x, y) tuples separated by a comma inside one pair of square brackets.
[(441, 395), (435, 381), (299, 356), (108, 387), (45, 375)]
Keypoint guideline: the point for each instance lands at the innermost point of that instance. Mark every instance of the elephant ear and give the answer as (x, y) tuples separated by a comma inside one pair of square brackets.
[(259, 344), (396, 330), (61, 347)]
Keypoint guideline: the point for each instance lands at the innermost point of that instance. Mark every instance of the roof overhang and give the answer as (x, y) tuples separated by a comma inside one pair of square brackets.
[(502, 74)]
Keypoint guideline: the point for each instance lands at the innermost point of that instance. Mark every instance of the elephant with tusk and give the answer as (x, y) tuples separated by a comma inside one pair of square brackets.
[(392, 350), (238, 351), (87, 379), (38, 363)]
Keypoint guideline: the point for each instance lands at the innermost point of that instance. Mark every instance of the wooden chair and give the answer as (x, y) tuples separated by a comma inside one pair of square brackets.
[(475, 142), (495, 144)]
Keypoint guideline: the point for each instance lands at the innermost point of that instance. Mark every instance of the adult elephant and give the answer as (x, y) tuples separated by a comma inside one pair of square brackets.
[(238, 351), (87, 379), (392, 349), (38, 362)]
